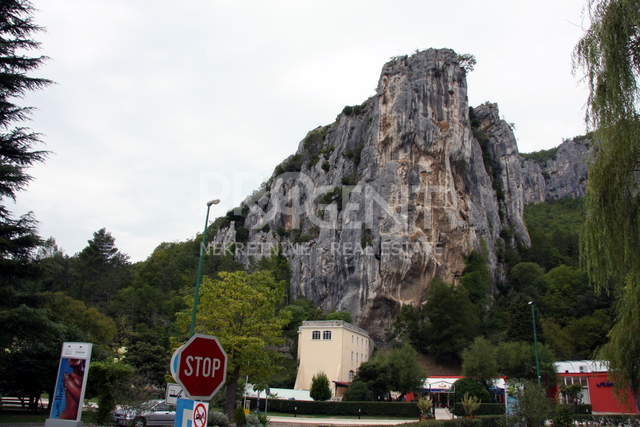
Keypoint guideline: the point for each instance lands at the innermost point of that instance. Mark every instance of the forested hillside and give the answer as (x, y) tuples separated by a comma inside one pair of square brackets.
[(129, 310)]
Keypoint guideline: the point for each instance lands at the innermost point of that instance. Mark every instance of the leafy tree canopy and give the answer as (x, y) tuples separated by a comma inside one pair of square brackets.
[(241, 309), (479, 361), (609, 55), (452, 320)]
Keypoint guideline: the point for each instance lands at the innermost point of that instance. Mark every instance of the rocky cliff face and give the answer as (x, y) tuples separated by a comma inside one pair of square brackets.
[(396, 191)]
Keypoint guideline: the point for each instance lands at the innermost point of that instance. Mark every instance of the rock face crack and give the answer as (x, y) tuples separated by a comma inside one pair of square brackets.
[(395, 192)]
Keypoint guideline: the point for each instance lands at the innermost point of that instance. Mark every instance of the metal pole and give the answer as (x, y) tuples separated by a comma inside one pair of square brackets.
[(203, 246), (535, 341)]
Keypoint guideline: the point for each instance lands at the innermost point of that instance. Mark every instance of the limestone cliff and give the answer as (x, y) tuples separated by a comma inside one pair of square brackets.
[(394, 192)]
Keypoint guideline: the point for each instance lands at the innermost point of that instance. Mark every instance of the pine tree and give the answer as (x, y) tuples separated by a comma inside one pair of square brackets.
[(18, 237)]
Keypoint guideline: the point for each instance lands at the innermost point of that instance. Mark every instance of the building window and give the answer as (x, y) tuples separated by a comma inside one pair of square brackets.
[(350, 376), (352, 356), (573, 380), (326, 335), (315, 335), (351, 339), (356, 357)]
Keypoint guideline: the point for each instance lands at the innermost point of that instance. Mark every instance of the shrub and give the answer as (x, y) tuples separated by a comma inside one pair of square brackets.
[(218, 419), (263, 419), (253, 420), (485, 409), (315, 137), (354, 154), (320, 387), (354, 110), (351, 179), (357, 392), (366, 241), (470, 404), (425, 405), (239, 417)]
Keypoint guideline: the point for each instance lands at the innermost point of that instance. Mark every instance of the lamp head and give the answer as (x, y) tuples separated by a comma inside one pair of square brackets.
[(213, 202), (530, 302)]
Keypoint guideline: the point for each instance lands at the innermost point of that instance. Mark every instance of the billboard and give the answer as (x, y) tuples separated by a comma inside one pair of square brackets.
[(71, 381)]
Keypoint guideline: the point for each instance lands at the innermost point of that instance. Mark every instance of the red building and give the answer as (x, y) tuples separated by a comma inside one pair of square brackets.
[(598, 390)]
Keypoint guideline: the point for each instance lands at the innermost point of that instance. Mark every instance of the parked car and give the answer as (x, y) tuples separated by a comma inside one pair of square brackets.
[(151, 413)]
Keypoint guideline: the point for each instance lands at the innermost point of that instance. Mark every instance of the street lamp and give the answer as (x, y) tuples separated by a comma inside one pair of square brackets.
[(203, 246), (535, 341)]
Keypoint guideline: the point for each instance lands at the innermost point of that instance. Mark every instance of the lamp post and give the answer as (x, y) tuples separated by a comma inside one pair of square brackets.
[(203, 245), (535, 341)]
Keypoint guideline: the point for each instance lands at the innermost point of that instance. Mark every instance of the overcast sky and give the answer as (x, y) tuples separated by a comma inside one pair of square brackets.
[(162, 105)]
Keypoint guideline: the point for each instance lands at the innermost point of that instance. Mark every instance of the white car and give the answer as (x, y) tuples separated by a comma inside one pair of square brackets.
[(151, 413)]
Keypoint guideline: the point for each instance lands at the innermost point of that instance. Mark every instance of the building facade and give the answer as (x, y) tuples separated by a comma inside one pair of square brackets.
[(334, 347), (596, 386)]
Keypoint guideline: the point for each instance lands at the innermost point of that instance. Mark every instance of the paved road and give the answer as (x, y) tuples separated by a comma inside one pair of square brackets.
[(275, 421), (333, 422)]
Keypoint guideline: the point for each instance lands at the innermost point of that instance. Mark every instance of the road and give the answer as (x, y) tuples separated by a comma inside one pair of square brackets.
[(276, 421)]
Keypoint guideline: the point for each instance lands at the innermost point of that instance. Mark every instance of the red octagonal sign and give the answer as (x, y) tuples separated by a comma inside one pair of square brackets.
[(200, 367)]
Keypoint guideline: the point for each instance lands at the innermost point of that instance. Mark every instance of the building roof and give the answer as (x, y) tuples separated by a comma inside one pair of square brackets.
[(581, 366), (333, 323), (280, 393), (445, 384)]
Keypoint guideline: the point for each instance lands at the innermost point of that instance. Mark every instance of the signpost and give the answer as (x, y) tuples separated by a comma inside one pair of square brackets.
[(173, 393), (200, 367), (190, 413)]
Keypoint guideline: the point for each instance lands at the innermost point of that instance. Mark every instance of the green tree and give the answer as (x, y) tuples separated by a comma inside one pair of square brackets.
[(527, 278), (358, 391), (564, 285), (477, 277), (320, 389), (471, 387), (407, 372), (409, 326), (517, 360), (150, 360), (103, 270), (339, 315), (99, 329), (376, 374), (610, 246), (519, 321), (452, 321), (241, 310), (18, 237), (479, 361), (532, 404)]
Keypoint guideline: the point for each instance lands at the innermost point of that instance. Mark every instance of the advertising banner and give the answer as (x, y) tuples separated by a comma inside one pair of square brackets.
[(71, 382)]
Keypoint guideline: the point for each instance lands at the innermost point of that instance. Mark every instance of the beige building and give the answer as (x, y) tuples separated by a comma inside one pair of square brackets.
[(334, 347)]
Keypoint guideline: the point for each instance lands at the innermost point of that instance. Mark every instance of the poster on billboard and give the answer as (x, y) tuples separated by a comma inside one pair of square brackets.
[(71, 383)]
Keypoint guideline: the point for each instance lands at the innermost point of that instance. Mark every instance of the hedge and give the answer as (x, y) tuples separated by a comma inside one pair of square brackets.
[(484, 409), (456, 422), (608, 420), (305, 407), (499, 409)]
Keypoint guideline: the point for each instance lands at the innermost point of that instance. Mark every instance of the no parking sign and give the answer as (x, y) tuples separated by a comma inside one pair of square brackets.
[(191, 413)]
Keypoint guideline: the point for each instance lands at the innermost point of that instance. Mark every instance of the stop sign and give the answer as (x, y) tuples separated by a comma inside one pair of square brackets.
[(200, 367)]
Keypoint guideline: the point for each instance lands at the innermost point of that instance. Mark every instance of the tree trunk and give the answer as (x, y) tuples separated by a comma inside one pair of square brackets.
[(230, 401)]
